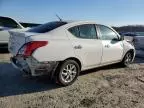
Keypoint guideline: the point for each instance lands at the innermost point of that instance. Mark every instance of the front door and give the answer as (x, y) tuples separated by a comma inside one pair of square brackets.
[(112, 45)]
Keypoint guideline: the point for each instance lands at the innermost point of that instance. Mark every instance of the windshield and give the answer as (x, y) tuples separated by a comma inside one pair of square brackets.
[(47, 27), (8, 22)]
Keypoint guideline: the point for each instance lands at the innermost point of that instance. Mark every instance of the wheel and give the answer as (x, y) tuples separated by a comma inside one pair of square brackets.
[(127, 59), (67, 72)]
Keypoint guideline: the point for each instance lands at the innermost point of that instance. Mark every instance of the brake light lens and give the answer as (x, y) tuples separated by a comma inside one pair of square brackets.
[(30, 47)]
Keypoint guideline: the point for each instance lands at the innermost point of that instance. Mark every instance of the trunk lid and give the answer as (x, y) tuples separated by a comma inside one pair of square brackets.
[(17, 40)]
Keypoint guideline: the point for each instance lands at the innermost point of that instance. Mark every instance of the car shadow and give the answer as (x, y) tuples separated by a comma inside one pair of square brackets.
[(13, 83), (113, 66), (137, 60), (4, 51)]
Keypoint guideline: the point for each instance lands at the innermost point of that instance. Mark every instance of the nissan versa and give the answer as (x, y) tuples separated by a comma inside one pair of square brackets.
[(64, 49)]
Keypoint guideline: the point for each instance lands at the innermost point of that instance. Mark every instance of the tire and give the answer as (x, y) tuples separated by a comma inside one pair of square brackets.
[(127, 60), (67, 72)]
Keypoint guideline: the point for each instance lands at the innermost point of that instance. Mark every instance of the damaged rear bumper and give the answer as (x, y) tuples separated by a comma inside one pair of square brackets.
[(33, 67)]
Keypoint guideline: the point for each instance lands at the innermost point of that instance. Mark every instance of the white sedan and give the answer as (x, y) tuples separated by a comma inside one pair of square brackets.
[(6, 24), (63, 49)]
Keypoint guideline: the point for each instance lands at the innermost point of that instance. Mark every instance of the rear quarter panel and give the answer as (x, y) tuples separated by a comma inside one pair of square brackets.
[(59, 47), (56, 50)]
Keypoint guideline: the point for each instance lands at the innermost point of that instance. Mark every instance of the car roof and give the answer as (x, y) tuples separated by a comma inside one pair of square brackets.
[(79, 21), (71, 23)]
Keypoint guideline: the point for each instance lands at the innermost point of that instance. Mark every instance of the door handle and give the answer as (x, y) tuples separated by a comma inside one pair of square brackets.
[(78, 47), (107, 46)]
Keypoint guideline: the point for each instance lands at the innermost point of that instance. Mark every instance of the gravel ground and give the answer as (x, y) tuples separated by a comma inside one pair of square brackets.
[(107, 87)]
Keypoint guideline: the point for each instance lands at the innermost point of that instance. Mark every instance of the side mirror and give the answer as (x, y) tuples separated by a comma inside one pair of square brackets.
[(118, 39)]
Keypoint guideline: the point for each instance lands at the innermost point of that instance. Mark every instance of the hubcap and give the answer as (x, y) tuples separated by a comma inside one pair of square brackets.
[(69, 73), (128, 58)]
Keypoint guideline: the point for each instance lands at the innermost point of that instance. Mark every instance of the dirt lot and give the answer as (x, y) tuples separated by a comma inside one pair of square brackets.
[(108, 87)]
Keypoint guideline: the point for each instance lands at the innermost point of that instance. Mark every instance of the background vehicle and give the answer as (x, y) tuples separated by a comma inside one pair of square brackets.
[(137, 38), (63, 49), (129, 37), (6, 24)]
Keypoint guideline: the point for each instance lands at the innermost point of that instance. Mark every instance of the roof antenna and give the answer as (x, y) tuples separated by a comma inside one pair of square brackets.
[(59, 17)]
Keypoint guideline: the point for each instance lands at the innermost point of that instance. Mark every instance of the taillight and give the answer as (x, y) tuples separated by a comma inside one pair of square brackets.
[(30, 47)]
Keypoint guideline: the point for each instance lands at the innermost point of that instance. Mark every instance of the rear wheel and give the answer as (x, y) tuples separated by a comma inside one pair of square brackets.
[(67, 72), (127, 59)]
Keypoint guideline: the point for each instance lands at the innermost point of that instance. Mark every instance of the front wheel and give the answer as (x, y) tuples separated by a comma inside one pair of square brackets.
[(67, 72), (127, 59)]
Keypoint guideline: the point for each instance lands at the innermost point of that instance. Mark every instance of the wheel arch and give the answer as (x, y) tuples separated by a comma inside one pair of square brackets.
[(132, 51), (75, 59)]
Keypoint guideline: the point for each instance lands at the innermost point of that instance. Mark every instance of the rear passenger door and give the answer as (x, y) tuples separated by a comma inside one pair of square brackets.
[(86, 45)]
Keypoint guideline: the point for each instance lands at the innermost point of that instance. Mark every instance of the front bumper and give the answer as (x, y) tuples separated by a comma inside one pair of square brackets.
[(33, 67)]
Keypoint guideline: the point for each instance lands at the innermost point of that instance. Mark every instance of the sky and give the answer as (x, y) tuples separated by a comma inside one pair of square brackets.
[(109, 12)]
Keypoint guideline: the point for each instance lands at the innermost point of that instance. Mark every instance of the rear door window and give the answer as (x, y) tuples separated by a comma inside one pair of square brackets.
[(74, 31), (86, 31)]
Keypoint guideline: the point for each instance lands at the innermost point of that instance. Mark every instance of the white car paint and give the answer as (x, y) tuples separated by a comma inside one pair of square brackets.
[(63, 45), (109, 48)]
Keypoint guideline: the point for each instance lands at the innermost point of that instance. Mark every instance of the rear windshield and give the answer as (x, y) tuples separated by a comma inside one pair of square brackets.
[(47, 27)]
